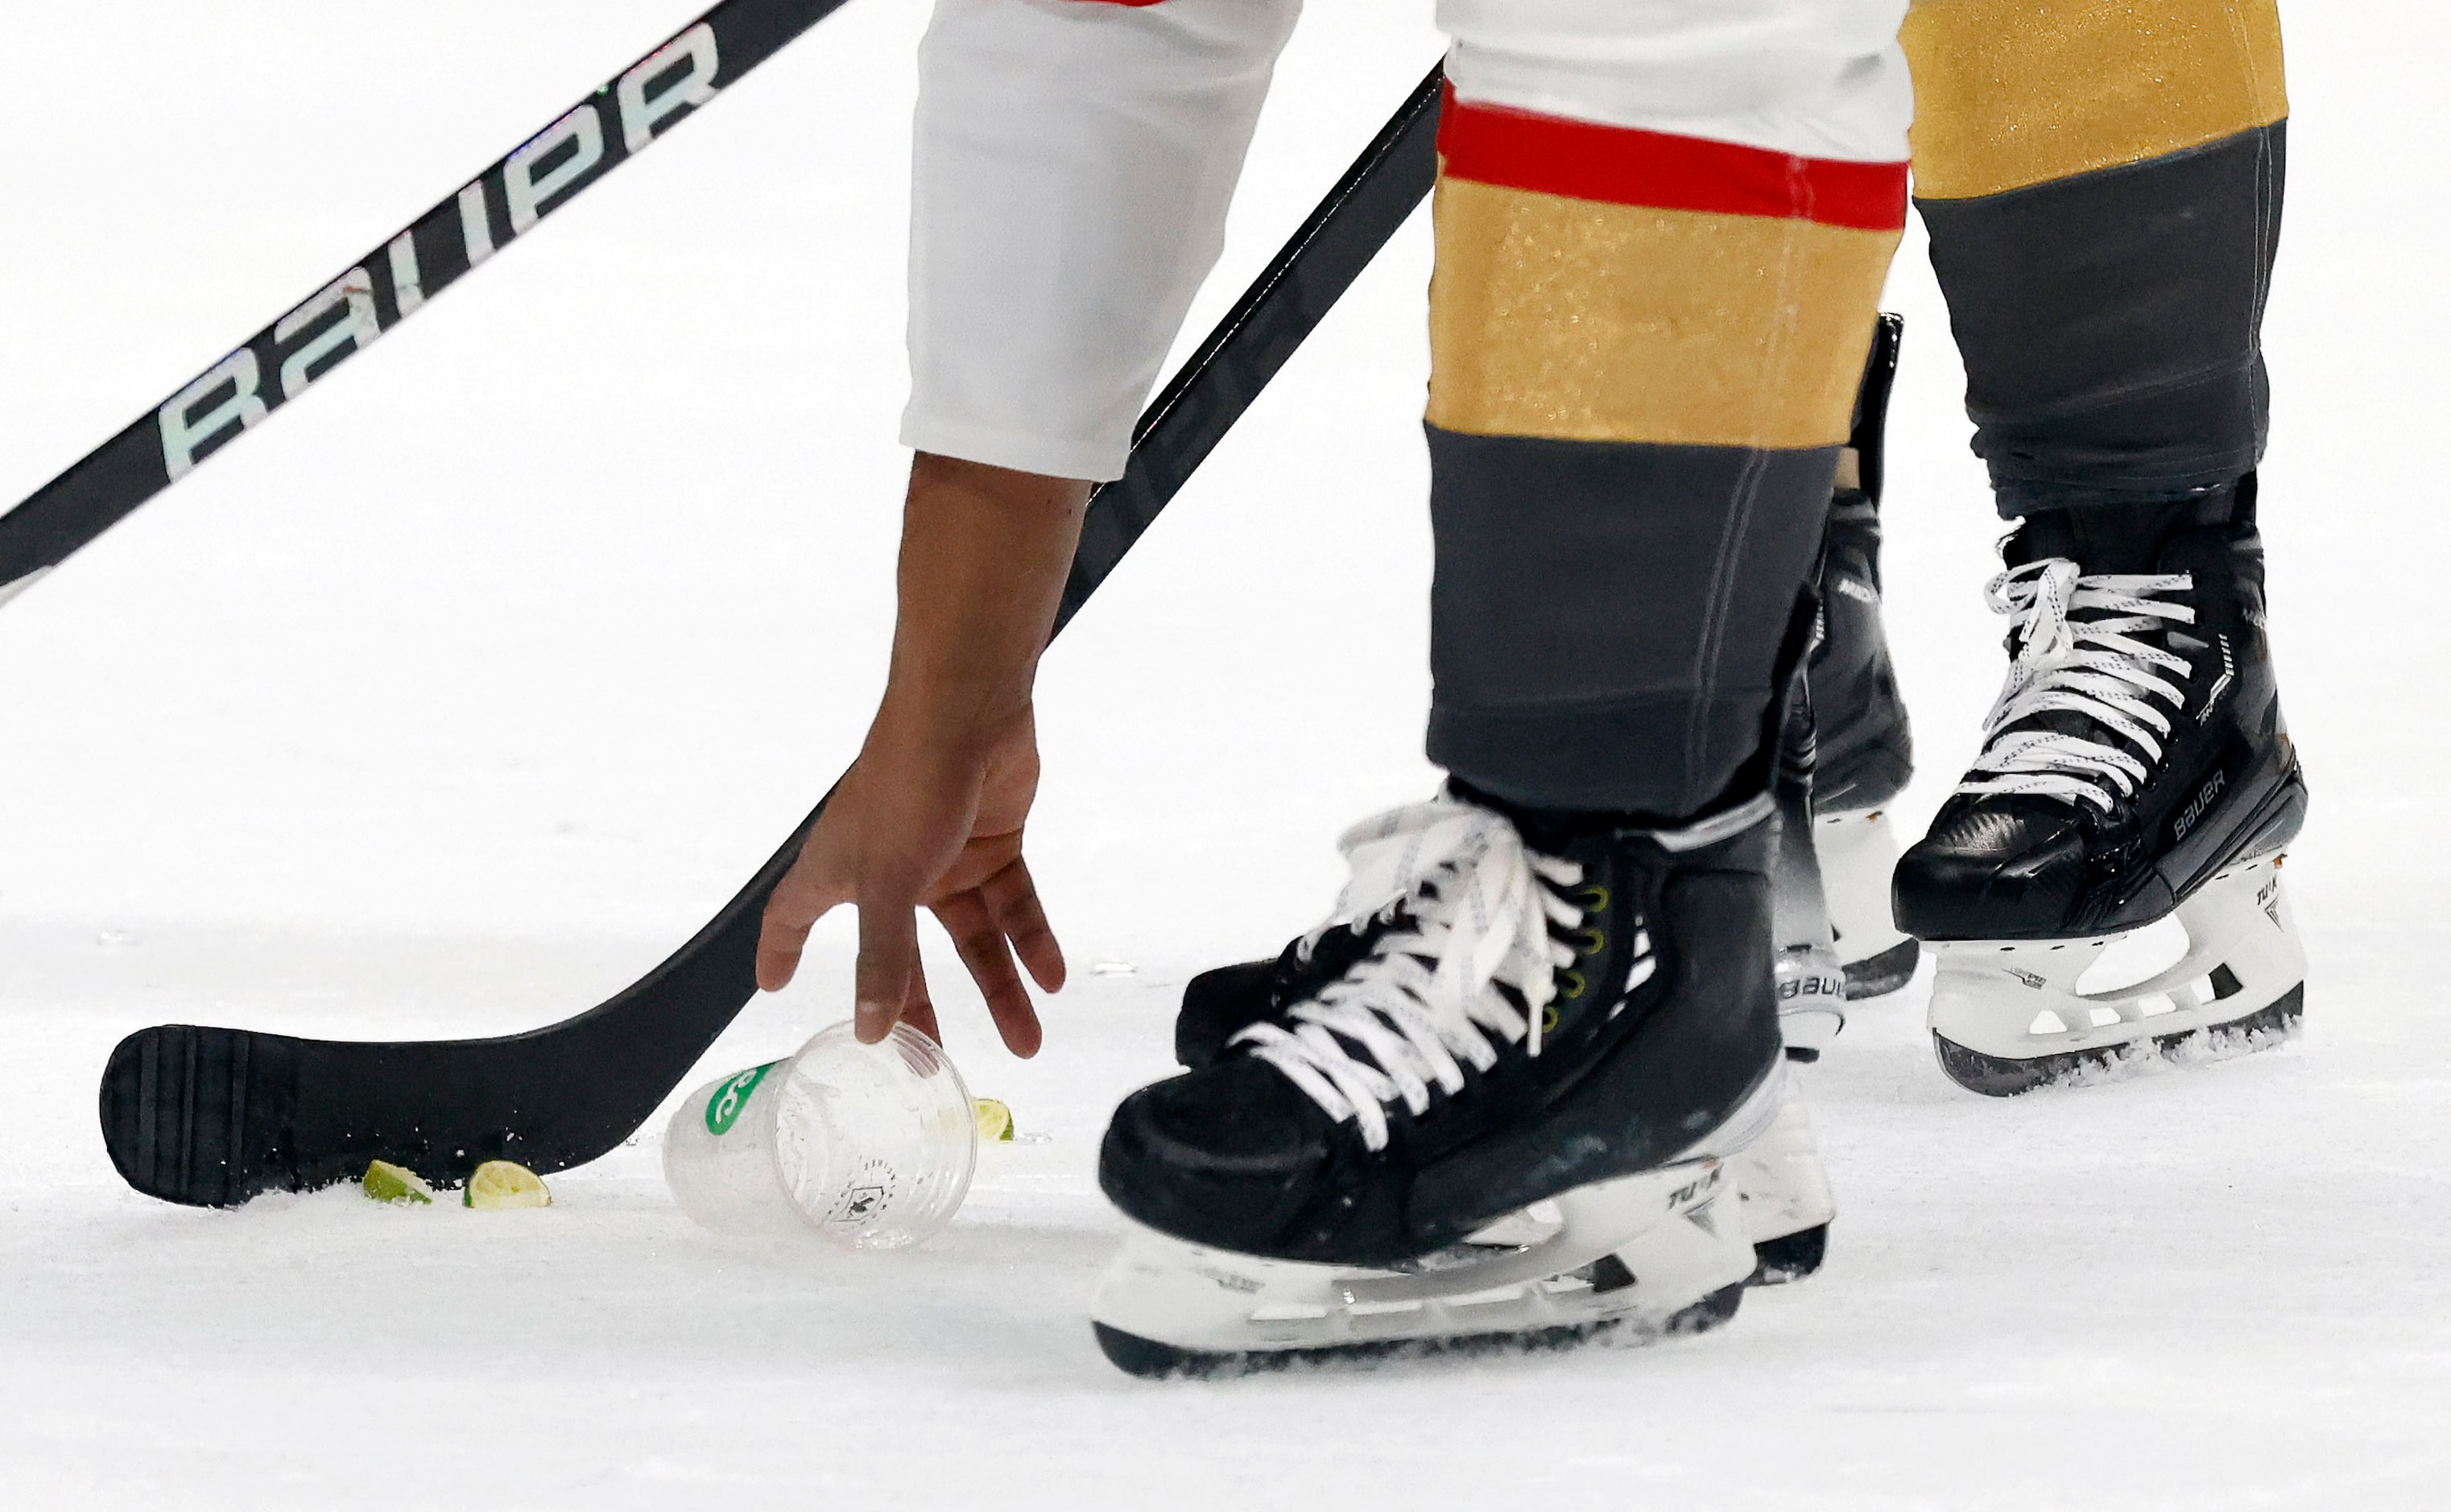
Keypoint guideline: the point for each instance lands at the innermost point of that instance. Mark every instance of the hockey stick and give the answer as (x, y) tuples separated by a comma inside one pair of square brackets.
[(394, 280), (213, 1116)]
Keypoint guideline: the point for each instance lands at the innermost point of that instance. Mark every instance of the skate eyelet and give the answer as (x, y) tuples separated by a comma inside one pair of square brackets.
[(1549, 1020), (1578, 987), (1597, 896), (1598, 942)]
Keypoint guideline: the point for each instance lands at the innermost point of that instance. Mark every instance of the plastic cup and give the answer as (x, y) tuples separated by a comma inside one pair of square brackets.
[(869, 1146)]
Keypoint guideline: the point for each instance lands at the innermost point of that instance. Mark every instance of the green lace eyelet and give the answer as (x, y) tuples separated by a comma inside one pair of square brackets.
[(1595, 941), (1549, 1020), (1575, 978), (1597, 895)]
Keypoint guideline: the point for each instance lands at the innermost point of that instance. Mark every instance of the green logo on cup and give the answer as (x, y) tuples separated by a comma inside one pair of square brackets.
[(723, 1110)]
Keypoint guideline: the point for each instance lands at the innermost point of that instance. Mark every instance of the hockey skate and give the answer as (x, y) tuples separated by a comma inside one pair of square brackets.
[(1863, 751), (1782, 1192), (2134, 768), (1495, 1105), (1811, 980)]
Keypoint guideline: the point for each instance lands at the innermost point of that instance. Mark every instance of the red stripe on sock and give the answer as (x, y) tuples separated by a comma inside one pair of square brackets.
[(1615, 165)]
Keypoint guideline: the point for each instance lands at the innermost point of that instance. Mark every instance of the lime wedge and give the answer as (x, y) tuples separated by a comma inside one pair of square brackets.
[(385, 1182), (995, 1118), (502, 1184)]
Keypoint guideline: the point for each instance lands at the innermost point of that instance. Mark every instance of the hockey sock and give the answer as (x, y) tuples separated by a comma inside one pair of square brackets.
[(1645, 354), (2102, 187)]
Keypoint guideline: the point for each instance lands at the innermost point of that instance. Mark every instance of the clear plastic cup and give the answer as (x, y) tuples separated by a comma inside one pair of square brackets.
[(869, 1145)]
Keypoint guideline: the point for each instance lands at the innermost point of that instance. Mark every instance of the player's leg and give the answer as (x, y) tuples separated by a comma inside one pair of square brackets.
[(1845, 753), (1542, 1015), (2102, 188)]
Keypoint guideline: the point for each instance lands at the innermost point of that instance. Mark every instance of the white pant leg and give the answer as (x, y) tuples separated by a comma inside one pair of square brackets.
[(1073, 164)]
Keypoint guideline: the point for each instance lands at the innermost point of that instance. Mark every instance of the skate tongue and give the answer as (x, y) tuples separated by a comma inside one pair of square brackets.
[(1558, 832), (2102, 538)]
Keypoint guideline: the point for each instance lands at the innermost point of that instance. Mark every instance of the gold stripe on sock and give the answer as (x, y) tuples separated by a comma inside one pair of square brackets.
[(1573, 319), (2015, 92)]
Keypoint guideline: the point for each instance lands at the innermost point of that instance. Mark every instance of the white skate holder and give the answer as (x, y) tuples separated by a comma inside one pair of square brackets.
[(1674, 1229), (1812, 981), (1811, 999), (1857, 853), (1780, 1178), (2019, 1000)]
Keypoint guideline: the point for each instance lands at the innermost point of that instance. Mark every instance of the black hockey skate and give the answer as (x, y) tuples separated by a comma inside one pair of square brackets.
[(1783, 1192), (2135, 766), (1505, 1116), (1863, 752)]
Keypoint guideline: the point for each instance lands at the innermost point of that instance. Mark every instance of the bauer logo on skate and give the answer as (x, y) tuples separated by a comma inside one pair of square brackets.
[(345, 317), (2197, 805)]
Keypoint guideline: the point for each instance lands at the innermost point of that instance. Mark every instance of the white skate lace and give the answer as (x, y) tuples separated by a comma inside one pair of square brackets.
[(1426, 1000), (2093, 667)]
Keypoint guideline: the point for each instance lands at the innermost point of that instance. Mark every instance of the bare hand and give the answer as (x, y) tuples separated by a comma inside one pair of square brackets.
[(916, 824), (931, 814)]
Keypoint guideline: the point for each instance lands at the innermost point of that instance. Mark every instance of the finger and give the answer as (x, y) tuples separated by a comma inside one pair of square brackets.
[(889, 948), (1012, 899), (1016, 1019), (793, 909), (919, 1005), (966, 918), (981, 945)]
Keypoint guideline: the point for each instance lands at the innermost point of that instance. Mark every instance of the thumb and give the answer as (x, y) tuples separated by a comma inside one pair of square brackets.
[(804, 896)]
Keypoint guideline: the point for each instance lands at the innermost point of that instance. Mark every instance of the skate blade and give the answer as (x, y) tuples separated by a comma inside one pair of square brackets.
[(1153, 1361), (1790, 1257), (2008, 1077), (1888, 972), (2008, 1016), (1644, 1255)]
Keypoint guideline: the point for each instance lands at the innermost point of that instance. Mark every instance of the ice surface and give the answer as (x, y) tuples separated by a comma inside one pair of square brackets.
[(450, 701)]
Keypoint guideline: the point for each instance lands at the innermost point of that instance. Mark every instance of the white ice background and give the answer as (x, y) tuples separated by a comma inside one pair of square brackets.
[(450, 701)]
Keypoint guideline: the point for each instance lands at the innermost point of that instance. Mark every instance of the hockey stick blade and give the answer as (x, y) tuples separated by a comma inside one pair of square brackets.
[(214, 1116), (394, 280)]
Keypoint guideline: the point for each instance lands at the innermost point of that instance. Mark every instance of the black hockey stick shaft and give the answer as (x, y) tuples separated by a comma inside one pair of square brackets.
[(394, 280), (213, 1116)]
